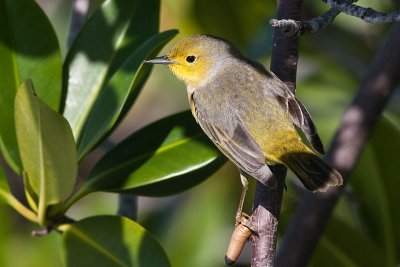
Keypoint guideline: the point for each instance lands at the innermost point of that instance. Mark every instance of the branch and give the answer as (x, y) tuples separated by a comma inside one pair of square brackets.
[(293, 27), (267, 202), (357, 124), (265, 219), (285, 50), (367, 14)]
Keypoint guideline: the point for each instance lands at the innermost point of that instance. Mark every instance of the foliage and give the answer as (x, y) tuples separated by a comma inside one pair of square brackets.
[(49, 129), (59, 110), (128, 244)]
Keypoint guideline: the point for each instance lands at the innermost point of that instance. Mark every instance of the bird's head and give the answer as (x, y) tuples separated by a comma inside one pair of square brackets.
[(196, 58)]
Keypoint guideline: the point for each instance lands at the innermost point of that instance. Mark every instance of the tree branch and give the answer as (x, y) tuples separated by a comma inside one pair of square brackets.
[(267, 202), (285, 51), (367, 14), (294, 27), (265, 219), (357, 124)]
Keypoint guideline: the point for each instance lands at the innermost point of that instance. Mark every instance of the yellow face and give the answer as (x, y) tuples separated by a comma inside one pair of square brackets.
[(191, 61), (195, 58)]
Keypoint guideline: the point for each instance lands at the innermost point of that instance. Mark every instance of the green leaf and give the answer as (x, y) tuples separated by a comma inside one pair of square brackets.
[(28, 50), (113, 96), (31, 195), (47, 149), (166, 157), (106, 40), (375, 182), (111, 241)]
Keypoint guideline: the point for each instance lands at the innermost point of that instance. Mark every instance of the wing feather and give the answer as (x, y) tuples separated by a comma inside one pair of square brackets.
[(237, 144), (297, 112)]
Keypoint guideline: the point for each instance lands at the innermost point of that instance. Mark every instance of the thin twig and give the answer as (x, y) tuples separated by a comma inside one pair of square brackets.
[(367, 14), (42, 232), (294, 27), (267, 202), (357, 124)]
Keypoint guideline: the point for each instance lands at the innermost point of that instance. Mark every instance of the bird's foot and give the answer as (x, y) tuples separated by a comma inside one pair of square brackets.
[(245, 220)]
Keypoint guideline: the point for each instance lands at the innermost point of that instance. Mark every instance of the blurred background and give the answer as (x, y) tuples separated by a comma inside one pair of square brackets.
[(194, 227)]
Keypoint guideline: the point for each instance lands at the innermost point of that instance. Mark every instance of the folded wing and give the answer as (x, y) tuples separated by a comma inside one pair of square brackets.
[(236, 143)]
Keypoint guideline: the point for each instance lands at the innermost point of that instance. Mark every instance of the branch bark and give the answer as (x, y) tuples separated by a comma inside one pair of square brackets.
[(267, 202), (294, 27), (285, 50), (367, 14), (265, 219), (357, 124)]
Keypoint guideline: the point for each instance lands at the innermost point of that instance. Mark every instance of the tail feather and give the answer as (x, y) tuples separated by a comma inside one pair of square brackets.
[(314, 173)]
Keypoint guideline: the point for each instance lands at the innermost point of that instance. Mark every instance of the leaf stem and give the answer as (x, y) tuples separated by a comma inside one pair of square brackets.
[(18, 206)]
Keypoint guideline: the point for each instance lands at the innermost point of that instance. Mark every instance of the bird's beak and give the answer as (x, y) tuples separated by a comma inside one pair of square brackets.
[(160, 60)]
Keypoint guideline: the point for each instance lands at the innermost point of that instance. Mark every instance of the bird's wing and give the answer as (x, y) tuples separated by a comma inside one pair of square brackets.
[(235, 142), (297, 111)]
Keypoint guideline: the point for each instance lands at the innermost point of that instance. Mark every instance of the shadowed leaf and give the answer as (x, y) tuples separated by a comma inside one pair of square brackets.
[(27, 51), (111, 34), (47, 149), (111, 241), (166, 157), (122, 85)]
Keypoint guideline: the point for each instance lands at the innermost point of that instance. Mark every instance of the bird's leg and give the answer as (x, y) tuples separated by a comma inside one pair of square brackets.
[(239, 213)]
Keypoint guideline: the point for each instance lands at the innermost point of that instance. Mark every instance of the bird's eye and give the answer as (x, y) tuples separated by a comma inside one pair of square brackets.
[(190, 59)]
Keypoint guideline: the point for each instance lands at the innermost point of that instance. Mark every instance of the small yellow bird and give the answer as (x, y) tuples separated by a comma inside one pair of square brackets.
[(248, 112)]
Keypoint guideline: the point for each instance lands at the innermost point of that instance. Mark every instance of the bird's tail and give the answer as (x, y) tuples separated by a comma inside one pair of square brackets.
[(314, 173)]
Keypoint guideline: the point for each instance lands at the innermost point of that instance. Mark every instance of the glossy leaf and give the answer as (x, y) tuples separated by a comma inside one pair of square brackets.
[(111, 241), (166, 157), (106, 40), (113, 96), (47, 149), (28, 50)]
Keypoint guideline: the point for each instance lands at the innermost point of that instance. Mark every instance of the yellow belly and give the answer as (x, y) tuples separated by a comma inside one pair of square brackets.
[(274, 133)]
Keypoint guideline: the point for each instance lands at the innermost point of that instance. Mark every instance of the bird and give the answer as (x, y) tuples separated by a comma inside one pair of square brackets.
[(248, 113)]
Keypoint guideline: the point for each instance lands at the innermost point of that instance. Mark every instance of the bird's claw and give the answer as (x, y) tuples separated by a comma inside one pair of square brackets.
[(245, 220)]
